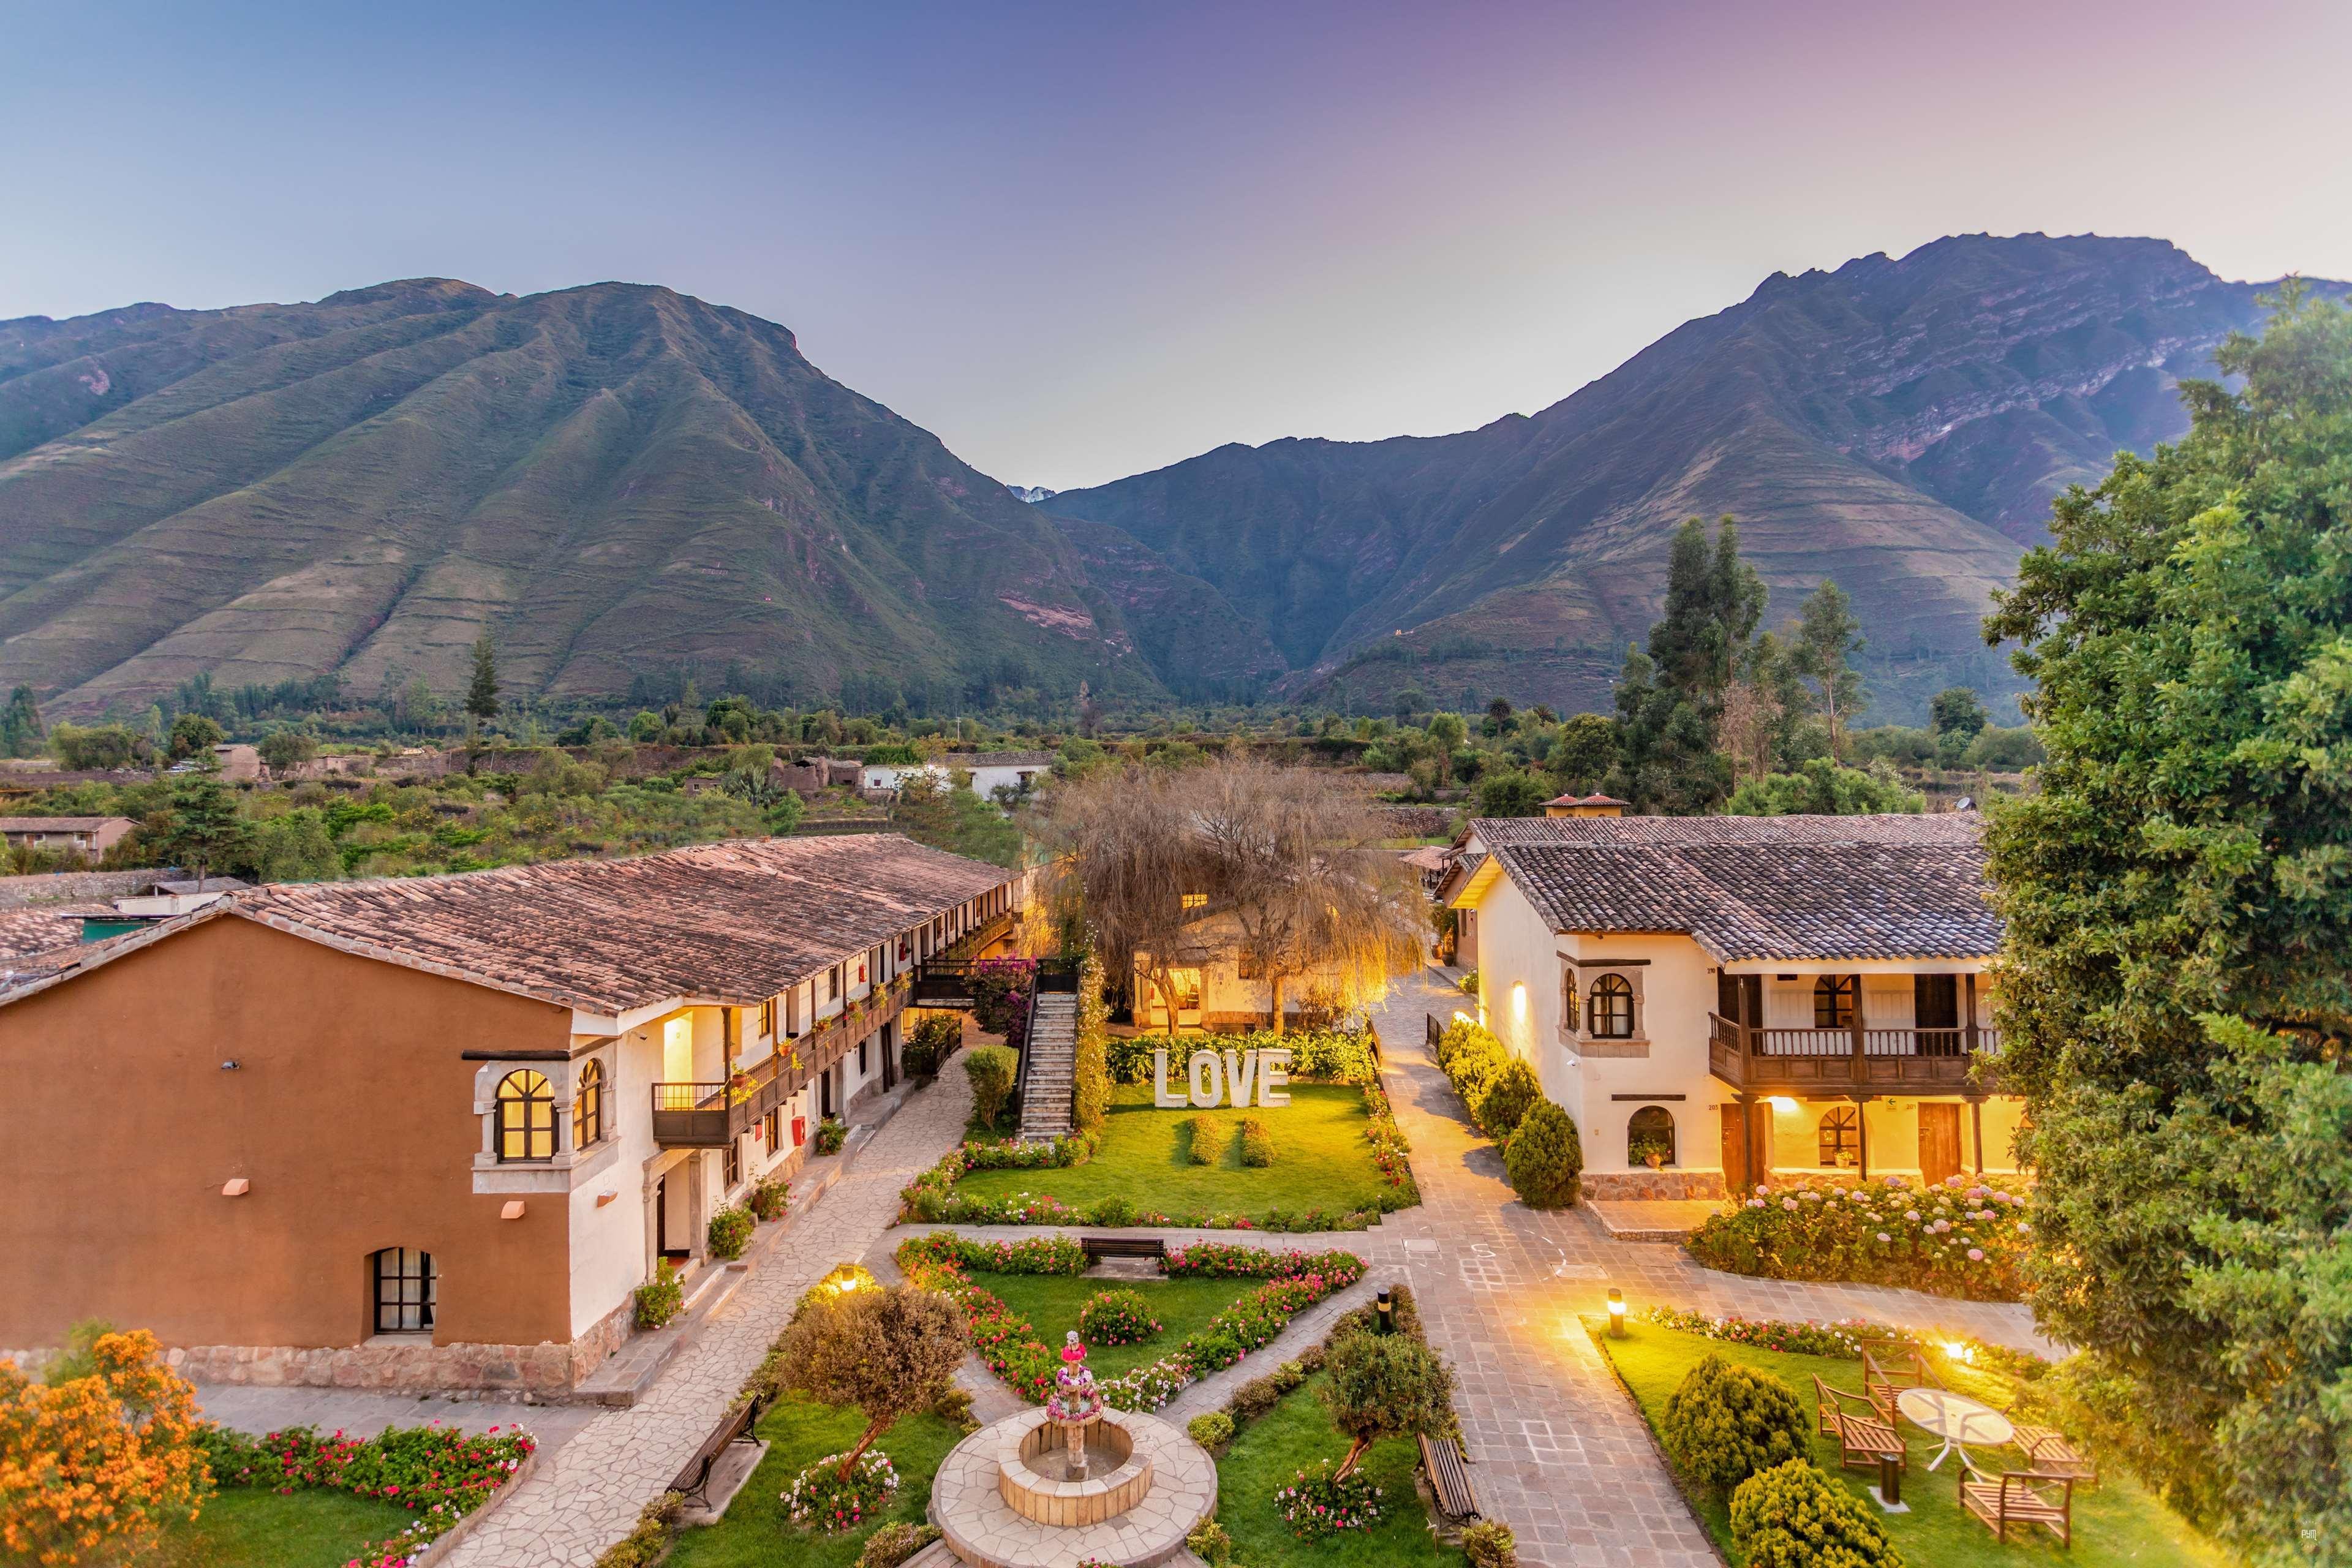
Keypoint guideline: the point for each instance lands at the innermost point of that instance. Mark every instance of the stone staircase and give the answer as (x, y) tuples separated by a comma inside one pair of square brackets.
[(1051, 1074)]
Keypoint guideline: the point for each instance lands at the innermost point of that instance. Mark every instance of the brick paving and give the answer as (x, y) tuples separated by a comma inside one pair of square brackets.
[(587, 1494)]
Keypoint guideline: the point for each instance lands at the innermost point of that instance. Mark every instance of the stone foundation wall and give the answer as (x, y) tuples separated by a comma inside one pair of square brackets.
[(1648, 1184)]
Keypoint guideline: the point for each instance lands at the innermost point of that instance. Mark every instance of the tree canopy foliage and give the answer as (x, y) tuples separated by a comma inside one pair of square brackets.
[(2176, 985)]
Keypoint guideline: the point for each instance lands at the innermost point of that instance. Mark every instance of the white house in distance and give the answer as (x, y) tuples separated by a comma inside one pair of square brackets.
[(1746, 996), (1017, 772)]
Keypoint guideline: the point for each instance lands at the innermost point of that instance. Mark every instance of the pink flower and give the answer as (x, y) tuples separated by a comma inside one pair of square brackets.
[(1976, 1255), (1789, 1203)]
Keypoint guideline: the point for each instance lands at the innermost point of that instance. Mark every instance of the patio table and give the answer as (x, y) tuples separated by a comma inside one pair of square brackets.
[(1956, 1418)]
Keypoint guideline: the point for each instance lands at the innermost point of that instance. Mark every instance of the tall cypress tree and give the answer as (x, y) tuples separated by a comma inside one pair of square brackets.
[(2176, 985), (1670, 698), (482, 696)]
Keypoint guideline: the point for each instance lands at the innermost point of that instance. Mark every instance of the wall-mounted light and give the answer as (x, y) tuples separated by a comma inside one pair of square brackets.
[(1520, 1002), (1780, 1102), (512, 1210), (1616, 1313), (236, 1187), (606, 1196)]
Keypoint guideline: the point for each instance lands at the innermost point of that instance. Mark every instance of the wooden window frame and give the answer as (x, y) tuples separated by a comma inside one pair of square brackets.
[(588, 1106), (1615, 987), (1833, 1001), (529, 1112), (418, 1290), (1838, 1131)]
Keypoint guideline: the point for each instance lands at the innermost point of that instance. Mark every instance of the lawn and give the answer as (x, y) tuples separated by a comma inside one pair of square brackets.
[(1322, 1159), (246, 1527), (755, 1531), (2115, 1522), (1051, 1303), (1274, 1448)]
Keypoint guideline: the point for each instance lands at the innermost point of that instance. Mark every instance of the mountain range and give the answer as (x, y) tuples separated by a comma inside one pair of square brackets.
[(624, 486)]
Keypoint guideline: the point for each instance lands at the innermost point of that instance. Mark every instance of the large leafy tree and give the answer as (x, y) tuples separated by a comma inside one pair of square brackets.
[(2177, 983), (1670, 699), (1827, 637)]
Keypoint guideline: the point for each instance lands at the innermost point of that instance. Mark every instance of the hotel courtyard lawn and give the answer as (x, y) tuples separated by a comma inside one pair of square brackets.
[(1269, 1453), (1051, 1303), (1322, 1160), (2115, 1522), (248, 1527), (756, 1535)]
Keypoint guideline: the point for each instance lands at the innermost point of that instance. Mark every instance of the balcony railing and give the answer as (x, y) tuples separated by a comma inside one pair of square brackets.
[(1851, 1061), (708, 1115)]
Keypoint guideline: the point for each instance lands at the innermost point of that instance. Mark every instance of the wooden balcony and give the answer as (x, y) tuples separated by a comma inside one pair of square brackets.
[(708, 1115), (1852, 1061)]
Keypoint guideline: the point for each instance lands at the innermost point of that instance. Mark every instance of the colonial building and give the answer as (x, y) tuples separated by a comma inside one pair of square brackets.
[(85, 838), (433, 1132), (1741, 997), (1015, 773)]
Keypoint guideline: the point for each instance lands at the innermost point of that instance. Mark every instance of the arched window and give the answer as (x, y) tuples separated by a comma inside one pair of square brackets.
[(526, 1117), (1568, 1004), (1650, 1131), (588, 1104), (1834, 1001), (1841, 1136), (1613, 1008), (404, 1287)]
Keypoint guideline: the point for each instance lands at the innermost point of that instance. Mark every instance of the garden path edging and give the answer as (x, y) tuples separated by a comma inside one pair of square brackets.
[(439, 1550)]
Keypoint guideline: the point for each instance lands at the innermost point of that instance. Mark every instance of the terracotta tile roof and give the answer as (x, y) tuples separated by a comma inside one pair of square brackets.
[(734, 923), (40, 928), (59, 823), (1760, 887), (1594, 799), (997, 759)]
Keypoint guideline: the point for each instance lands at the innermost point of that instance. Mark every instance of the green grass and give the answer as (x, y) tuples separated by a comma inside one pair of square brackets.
[(1321, 1160), (2115, 1522), (1051, 1303), (756, 1535), (1287, 1438), (244, 1527)]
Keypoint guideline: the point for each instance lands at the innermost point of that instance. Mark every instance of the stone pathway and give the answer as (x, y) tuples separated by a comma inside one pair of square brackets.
[(361, 1413), (587, 1494)]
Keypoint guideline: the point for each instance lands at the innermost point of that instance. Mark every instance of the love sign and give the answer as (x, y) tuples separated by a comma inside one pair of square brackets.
[(1212, 1075)]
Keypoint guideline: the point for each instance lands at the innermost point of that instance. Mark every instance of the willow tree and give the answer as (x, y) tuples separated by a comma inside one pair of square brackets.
[(1300, 866), (1125, 853)]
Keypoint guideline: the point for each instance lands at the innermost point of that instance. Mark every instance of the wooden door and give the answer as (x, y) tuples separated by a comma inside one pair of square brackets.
[(1939, 1142), (1737, 1173)]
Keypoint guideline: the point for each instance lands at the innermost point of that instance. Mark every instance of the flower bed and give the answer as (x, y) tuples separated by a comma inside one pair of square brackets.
[(1320, 1502), (1964, 1237), (1117, 1318), (1009, 1347), (819, 1499), (437, 1472)]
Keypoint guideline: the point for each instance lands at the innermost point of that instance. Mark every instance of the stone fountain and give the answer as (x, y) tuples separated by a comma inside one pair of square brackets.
[(1074, 1480)]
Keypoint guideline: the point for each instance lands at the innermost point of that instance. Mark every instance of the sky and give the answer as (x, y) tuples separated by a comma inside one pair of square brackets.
[(1082, 241)]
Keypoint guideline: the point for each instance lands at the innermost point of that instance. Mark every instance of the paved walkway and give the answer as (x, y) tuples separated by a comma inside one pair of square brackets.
[(587, 1495)]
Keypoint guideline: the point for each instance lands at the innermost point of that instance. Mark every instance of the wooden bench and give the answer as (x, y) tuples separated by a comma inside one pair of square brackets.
[(1866, 1442), (1888, 1369), (1101, 1247), (693, 1482), (1449, 1477), (2019, 1497), (2053, 1453)]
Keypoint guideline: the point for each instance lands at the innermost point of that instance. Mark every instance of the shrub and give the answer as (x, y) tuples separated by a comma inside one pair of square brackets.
[(1321, 1501), (1509, 1094), (1966, 1237), (1130, 1057), (1090, 1091), (991, 1069), (1545, 1159), (770, 1197), (1116, 1317), (894, 1544), (1491, 1545), (661, 1298), (92, 1467), (1724, 1422), (1286, 1377), (1200, 1140), (952, 1403), (649, 1539), (1254, 1398), (1793, 1516), (1257, 1143), (1386, 1385), (831, 1134), (840, 1491), (730, 1232), (931, 1039), (884, 1350), (1209, 1541), (1112, 1211), (1212, 1431)]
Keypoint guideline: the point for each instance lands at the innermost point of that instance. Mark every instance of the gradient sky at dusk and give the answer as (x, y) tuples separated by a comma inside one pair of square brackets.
[(1078, 241)]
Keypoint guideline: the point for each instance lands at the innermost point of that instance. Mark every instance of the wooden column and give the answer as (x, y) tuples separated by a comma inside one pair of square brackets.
[(1861, 1055), (1975, 1116), (1862, 1124), (1968, 1017)]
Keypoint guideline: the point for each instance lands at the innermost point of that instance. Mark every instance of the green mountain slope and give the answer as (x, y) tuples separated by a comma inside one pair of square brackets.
[(1898, 424), (611, 481)]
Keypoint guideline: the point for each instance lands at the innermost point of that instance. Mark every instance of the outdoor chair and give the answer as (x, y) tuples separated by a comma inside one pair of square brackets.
[(2053, 1453), (1866, 1442), (1888, 1369), (2019, 1497)]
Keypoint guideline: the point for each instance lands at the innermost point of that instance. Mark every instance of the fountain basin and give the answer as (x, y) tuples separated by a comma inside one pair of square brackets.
[(1030, 1471), (1143, 1507)]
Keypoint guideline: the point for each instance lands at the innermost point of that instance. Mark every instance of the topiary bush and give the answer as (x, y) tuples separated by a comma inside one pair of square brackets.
[(1116, 1317), (1793, 1516), (991, 1069), (1254, 1398), (1545, 1159), (1491, 1545), (1212, 1431), (1724, 1422), (1200, 1140), (1209, 1541), (1510, 1093), (1257, 1143), (1090, 1094)]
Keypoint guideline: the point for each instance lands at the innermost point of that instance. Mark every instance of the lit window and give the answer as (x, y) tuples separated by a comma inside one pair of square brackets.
[(588, 1105), (1834, 1001), (1569, 1014), (1841, 1136), (1650, 1131), (526, 1117), (1613, 1008), (1195, 900)]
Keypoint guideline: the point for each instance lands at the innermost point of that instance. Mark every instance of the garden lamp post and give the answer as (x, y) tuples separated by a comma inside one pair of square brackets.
[(1616, 1313), (1386, 1307)]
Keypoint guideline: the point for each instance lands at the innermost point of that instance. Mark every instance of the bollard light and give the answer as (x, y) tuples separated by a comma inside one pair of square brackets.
[(1386, 1307), (1616, 1313)]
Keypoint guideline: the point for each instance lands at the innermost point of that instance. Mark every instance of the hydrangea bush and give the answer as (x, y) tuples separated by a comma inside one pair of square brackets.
[(1967, 1236)]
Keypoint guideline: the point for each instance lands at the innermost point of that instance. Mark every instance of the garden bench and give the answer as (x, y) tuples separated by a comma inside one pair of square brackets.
[(735, 1426), (2019, 1497), (1888, 1369), (1866, 1441), (1101, 1247), (2053, 1453), (1449, 1477)]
